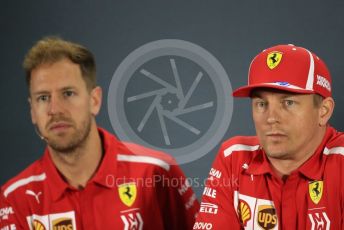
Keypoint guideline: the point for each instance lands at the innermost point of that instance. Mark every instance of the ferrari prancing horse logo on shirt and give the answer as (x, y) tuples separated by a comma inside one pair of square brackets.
[(273, 59), (315, 190), (127, 193)]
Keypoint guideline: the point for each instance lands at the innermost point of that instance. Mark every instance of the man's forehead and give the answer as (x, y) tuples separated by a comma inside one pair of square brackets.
[(60, 82), (46, 86), (48, 77)]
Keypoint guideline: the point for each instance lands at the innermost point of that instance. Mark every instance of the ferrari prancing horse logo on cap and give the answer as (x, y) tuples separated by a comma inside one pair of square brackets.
[(315, 191), (273, 59)]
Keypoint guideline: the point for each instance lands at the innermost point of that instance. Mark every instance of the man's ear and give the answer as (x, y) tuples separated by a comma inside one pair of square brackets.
[(96, 100), (33, 116), (326, 110)]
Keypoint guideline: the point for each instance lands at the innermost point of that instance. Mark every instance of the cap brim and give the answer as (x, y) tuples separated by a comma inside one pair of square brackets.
[(245, 91)]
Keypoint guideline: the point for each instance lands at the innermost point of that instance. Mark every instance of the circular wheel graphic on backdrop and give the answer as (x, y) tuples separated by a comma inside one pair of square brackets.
[(171, 95)]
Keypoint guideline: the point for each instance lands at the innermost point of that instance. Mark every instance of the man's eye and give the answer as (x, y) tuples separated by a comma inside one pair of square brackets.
[(43, 98), (261, 104), (289, 102), (68, 93)]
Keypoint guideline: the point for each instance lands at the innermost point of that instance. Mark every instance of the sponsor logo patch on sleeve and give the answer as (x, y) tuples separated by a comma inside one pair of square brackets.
[(9, 227), (6, 212)]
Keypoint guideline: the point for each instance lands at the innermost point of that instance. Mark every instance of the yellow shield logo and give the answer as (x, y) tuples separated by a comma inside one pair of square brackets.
[(37, 225), (315, 191), (273, 59), (244, 212), (127, 193)]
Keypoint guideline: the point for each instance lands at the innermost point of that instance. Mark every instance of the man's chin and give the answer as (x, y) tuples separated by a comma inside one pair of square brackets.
[(277, 154), (62, 147)]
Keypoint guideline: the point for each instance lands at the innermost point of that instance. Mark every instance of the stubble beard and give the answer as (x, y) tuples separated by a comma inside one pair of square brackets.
[(76, 140)]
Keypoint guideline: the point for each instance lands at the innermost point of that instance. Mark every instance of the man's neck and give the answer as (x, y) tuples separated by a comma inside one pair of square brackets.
[(79, 166), (283, 168)]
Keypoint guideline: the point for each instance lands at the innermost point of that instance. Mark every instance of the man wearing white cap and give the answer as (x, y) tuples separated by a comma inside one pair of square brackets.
[(290, 175)]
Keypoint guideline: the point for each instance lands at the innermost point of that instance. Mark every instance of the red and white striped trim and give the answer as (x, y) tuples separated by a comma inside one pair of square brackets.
[(23, 182), (335, 150), (310, 79), (144, 159), (239, 147)]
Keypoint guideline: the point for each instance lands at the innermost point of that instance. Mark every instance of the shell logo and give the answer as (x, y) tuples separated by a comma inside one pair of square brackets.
[(37, 225), (244, 212)]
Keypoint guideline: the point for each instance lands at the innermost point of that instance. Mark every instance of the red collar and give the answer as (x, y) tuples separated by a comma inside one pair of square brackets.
[(313, 168)]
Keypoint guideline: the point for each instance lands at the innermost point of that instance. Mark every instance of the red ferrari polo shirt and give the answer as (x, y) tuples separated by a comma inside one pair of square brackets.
[(134, 188), (243, 192)]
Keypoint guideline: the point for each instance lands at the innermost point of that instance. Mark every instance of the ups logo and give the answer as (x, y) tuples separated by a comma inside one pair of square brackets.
[(267, 217), (63, 224)]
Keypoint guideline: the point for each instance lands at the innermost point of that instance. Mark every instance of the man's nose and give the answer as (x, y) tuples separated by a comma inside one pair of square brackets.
[(273, 112), (55, 105)]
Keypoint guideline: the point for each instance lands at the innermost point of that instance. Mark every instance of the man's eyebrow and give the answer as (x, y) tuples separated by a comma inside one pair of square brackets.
[(255, 94), (67, 88), (39, 92), (288, 95)]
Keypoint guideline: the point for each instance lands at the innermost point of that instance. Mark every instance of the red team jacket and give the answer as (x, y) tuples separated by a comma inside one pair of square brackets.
[(242, 191), (132, 189)]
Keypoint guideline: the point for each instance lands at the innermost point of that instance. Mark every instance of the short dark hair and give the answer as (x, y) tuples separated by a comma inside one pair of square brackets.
[(52, 49), (317, 99)]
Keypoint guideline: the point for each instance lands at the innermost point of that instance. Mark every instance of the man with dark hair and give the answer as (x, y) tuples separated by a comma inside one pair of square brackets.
[(289, 175), (87, 178)]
